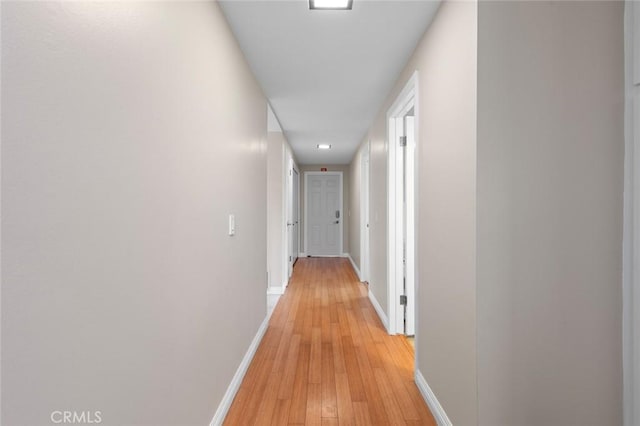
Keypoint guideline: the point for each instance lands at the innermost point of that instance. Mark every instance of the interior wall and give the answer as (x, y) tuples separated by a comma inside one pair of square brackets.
[(550, 164), (345, 200), (631, 234), (445, 59), (130, 131), (275, 207)]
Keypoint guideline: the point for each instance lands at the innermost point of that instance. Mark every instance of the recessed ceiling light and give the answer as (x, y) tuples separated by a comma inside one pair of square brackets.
[(324, 146), (331, 4)]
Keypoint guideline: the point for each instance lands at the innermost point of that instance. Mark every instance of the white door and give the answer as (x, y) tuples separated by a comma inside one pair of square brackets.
[(405, 131), (293, 185), (295, 216), (364, 216), (409, 225), (323, 213)]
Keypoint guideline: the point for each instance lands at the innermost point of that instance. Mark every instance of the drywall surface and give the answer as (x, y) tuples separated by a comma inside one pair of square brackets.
[(446, 244), (550, 164), (130, 131), (275, 207)]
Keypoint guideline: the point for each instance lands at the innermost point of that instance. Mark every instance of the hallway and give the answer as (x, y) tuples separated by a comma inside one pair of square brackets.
[(165, 164), (326, 359)]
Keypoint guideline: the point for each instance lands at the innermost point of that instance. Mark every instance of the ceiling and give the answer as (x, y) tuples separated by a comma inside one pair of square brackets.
[(326, 73)]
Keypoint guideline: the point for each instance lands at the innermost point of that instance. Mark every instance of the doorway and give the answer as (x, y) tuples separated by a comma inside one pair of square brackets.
[(293, 224), (323, 213), (402, 142), (364, 214)]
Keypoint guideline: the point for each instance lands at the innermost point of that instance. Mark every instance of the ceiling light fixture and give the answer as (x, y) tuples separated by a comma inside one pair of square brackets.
[(330, 4), (324, 146)]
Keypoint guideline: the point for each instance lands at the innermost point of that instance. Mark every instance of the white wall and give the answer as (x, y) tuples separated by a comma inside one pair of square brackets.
[(548, 153), (550, 164), (631, 236), (130, 131), (275, 208), (446, 338)]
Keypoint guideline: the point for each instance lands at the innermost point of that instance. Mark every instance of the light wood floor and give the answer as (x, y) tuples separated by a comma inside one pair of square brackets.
[(326, 359)]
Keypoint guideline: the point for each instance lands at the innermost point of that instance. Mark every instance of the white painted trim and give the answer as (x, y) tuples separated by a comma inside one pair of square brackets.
[(236, 381), (430, 398), (407, 99), (355, 267), (379, 311), (306, 209), (275, 290), (631, 233), (302, 255)]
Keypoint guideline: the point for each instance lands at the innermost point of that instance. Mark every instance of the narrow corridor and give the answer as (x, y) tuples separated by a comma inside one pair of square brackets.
[(327, 360)]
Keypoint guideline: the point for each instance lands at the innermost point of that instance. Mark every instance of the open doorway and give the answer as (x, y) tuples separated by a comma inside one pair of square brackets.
[(364, 214), (292, 216), (402, 133)]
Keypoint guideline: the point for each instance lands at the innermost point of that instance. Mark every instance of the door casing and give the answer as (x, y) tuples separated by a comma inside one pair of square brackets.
[(406, 100)]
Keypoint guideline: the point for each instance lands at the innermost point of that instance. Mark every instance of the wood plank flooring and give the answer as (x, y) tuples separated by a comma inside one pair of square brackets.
[(327, 360)]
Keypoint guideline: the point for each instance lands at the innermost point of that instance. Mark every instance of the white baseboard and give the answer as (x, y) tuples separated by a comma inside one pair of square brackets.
[(227, 399), (430, 398), (355, 268), (275, 290), (379, 310), (302, 255)]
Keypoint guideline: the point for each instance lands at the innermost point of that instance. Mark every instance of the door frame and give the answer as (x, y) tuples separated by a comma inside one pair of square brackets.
[(296, 207), (306, 210), (287, 188), (407, 99), (365, 228), (631, 234), (291, 167)]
